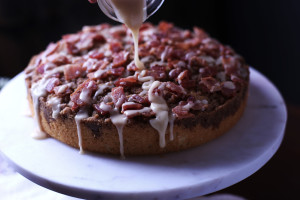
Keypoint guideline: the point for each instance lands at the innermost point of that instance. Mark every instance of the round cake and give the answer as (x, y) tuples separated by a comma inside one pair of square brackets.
[(86, 91)]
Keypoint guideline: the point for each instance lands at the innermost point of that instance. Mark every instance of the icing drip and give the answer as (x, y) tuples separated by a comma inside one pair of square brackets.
[(119, 120), (102, 87), (132, 14), (171, 122), (38, 90), (82, 114), (160, 108), (55, 104), (38, 134)]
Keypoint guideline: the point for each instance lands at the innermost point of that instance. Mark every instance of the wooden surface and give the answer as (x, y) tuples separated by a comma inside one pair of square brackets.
[(279, 178)]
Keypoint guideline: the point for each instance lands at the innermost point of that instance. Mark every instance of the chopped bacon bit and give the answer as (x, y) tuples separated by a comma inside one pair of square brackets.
[(98, 38), (175, 72), (138, 99), (228, 88), (185, 81), (178, 90), (97, 55), (100, 111), (126, 82), (165, 26), (52, 82), (131, 106), (207, 71), (209, 84), (181, 112), (145, 26), (116, 71), (132, 67), (200, 33), (120, 59), (118, 96), (158, 72), (58, 59), (40, 69), (51, 48), (72, 49), (115, 47), (73, 71), (176, 54), (90, 86)]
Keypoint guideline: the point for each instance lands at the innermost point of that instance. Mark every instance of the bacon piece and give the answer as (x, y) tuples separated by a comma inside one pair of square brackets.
[(72, 49), (185, 81), (89, 86), (120, 59), (175, 72), (209, 84), (97, 55), (165, 26), (40, 69), (210, 47), (228, 88), (132, 67), (51, 48), (115, 47), (58, 59), (182, 112), (138, 99), (126, 82), (200, 33), (73, 71), (131, 106), (207, 71), (158, 72), (115, 71), (176, 89), (118, 96), (52, 82)]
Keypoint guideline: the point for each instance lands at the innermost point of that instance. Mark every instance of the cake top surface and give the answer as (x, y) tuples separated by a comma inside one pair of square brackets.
[(186, 72)]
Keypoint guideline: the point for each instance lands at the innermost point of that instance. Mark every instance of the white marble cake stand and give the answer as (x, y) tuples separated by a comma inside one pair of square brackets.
[(199, 171)]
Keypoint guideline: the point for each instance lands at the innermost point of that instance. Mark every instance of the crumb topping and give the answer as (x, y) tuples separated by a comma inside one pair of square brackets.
[(94, 69)]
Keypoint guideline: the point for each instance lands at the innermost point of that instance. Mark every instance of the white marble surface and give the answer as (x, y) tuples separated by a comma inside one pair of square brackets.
[(211, 167)]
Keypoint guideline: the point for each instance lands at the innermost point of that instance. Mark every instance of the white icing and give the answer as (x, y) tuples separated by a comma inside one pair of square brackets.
[(105, 107), (133, 112), (38, 90), (171, 122), (54, 102), (102, 87), (229, 85), (164, 53), (99, 73), (82, 114), (132, 14), (38, 134), (160, 108), (119, 120)]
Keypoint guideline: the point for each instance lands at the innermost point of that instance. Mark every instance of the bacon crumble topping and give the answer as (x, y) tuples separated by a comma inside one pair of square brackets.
[(194, 68)]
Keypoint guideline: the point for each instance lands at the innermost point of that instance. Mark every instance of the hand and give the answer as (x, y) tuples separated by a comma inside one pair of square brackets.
[(92, 1)]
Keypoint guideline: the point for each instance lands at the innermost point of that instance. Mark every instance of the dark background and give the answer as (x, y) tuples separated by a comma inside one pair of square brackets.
[(265, 32)]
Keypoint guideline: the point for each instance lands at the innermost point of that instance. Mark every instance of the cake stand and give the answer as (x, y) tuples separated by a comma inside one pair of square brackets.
[(198, 171)]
